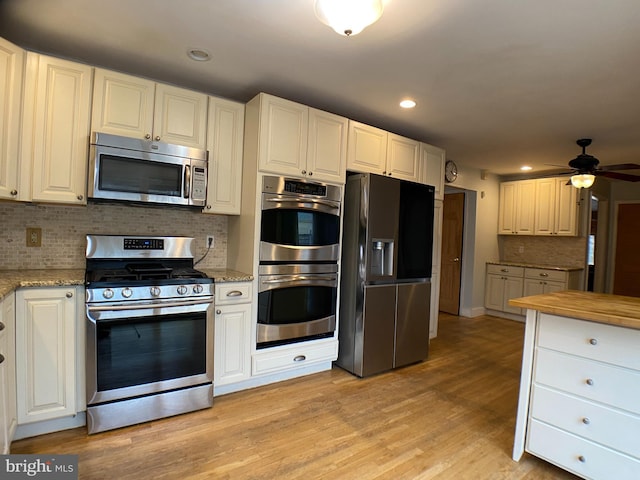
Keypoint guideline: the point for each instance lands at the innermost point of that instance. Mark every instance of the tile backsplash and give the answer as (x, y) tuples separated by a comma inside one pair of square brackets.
[(64, 229), (551, 251)]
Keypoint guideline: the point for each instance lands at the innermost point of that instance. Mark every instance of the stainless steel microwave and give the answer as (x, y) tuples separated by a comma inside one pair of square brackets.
[(131, 169)]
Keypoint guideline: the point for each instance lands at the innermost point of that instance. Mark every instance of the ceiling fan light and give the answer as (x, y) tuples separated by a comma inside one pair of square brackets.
[(348, 17), (582, 180)]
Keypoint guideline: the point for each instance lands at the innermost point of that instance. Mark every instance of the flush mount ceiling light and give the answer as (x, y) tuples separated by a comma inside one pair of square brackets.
[(348, 17), (582, 180), (526, 168), (407, 103), (198, 54)]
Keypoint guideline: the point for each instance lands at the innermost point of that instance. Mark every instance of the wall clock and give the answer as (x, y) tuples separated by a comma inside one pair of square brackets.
[(450, 171)]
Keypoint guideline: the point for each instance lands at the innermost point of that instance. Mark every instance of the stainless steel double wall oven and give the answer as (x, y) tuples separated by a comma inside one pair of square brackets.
[(298, 270)]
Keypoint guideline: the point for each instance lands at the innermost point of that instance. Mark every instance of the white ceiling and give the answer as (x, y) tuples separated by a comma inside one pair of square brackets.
[(499, 83)]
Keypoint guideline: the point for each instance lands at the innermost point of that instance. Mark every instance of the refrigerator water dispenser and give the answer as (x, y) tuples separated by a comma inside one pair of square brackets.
[(381, 257)]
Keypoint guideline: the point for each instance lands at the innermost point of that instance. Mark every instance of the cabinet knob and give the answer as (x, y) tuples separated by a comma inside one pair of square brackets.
[(208, 207), (582, 459), (69, 294), (589, 381), (304, 172), (157, 138), (310, 173), (80, 197), (218, 312), (505, 270), (147, 136), (1, 358), (593, 341), (586, 421), (1, 326), (14, 192), (299, 358)]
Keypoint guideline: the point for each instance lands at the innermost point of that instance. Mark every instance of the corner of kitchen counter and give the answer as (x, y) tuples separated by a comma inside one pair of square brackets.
[(224, 275)]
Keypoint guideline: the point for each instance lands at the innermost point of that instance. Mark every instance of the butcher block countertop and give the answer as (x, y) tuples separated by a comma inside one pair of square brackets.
[(10, 280), (595, 307)]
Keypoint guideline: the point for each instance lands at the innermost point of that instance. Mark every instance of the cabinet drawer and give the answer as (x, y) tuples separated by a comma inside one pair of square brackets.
[(505, 270), (293, 357), (596, 341), (615, 386), (578, 455), (544, 274), (228, 293), (612, 428)]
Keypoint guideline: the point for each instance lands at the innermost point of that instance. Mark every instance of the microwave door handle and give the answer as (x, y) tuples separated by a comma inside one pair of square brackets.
[(303, 201), (187, 181)]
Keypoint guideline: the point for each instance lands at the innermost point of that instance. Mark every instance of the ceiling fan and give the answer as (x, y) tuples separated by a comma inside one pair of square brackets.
[(584, 168)]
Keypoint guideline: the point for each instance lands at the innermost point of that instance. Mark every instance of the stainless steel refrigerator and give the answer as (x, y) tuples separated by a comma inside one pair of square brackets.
[(385, 287)]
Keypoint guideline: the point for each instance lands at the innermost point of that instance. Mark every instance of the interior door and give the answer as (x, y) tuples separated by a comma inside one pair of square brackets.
[(452, 226), (627, 261)]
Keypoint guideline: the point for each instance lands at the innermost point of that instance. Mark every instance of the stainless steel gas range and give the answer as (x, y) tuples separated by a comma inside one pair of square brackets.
[(149, 330)]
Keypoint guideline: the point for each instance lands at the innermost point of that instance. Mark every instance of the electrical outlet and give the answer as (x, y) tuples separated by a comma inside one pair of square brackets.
[(34, 237), (209, 241), (521, 249)]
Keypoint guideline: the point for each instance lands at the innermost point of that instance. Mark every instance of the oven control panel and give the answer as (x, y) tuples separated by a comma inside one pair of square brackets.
[(143, 243)]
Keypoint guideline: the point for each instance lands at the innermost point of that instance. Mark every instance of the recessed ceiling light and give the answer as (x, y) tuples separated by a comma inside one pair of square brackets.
[(526, 168), (407, 103), (198, 54)]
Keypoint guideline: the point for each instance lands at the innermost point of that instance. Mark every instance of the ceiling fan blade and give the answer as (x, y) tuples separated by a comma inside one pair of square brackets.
[(555, 165), (622, 166), (619, 176)]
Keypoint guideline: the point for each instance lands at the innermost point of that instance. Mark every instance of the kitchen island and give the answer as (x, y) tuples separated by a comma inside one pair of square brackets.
[(580, 383)]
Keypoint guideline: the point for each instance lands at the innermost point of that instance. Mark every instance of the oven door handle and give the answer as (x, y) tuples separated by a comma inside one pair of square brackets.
[(147, 306), (302, 278), (305, 201)]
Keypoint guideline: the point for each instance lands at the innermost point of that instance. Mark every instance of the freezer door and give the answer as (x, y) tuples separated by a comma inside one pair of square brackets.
[(412, 323), (376, 334)]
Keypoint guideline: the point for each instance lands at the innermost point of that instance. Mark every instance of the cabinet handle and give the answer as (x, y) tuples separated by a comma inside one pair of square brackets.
[(1, 326), (1, 358), (69, 294), (299, 358), (589, 381), (234, 293), (582, 459), (14, 192), (544, 274), (505, 270), (218, 312), (147, 136), (586, 421), (593, 341)]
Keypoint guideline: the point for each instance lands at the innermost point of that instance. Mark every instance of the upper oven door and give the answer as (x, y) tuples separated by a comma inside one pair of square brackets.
[(299, 228), (119, 173)]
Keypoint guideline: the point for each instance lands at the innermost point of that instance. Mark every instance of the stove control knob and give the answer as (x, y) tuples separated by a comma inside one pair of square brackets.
[(127, 292), (154, 291), (182, 290), (197, 289), (107, 293)]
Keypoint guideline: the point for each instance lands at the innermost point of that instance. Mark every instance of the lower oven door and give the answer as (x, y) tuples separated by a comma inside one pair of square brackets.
[(298, 305), (138, 350)]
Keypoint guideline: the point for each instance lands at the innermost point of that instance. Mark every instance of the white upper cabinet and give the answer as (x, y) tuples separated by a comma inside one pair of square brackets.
[(432, 171), (300, 141), (556, 207), (225, 135), (11, 72), (374, 150), (516, 210), (55, 133), (136, 107)]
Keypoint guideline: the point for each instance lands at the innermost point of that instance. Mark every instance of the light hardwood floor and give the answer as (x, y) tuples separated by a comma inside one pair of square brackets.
[(451, 417)]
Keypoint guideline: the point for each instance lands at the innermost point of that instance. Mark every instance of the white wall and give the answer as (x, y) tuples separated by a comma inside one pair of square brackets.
[(480, 243)]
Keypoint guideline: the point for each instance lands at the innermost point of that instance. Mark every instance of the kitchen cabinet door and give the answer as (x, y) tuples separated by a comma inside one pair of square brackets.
[(12, 60), (327, 147), (516, 214), (283, 136), (122, 104), (180, 116), (403, 158), (225, 133), (432, 168), (566, 209), (232, 344), (366, 148), (46, 353), (55, 136), (8, 415)]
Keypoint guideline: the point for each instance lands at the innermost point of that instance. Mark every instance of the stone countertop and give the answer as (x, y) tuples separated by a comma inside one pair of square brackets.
[(536, 265), (10, 280), (597, 307)]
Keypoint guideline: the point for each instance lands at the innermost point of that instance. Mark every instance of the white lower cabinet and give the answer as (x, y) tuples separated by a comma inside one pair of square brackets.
[(583, 413), (47, 348), (8, 415), (293, 356), (232, 355), (503, 283)]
